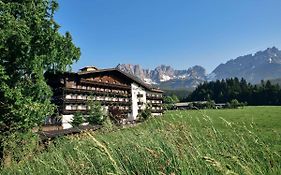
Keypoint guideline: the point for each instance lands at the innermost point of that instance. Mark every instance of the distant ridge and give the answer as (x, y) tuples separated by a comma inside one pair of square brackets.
[(263, 65), (167, 77), (276, 81)]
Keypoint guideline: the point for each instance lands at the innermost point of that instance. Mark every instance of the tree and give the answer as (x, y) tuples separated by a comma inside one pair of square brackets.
[(222, 91), (168, 102), (145, 114), (96, 113), (30, 45), (77, 120), (234, 103)]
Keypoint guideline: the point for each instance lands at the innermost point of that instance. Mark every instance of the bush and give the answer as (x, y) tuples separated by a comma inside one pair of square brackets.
[(169, 102), (116, 114), (96, 113), (145, 114), (18, 147), (77, 120), (108, 125), (210, 105), (234, 104)]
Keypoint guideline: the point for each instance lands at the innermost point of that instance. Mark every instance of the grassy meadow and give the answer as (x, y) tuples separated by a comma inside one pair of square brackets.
[(233, 141)]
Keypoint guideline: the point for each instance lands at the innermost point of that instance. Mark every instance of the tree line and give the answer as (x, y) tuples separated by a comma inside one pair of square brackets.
[(225, 90)]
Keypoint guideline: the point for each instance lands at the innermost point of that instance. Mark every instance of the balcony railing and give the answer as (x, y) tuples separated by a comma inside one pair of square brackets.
[(154, 97), (95, 92), (119, 86), (124, 111)]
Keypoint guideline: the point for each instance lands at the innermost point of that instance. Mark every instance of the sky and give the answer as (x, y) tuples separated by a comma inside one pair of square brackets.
[(179, 33)]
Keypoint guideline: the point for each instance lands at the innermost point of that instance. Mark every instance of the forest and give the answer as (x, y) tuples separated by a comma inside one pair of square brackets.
[(222, 91)]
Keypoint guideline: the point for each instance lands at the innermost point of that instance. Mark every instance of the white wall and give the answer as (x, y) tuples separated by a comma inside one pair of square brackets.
[(66, 120), (136, 89)]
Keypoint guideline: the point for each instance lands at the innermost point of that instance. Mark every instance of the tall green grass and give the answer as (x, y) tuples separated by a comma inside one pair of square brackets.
[(178, 143)]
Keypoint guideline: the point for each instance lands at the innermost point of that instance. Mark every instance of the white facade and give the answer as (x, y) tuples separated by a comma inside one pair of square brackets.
[(66, 121), (138, 96), (138, 99)]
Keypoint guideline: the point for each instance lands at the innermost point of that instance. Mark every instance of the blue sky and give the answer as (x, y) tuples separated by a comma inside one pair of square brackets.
[(180, 33)]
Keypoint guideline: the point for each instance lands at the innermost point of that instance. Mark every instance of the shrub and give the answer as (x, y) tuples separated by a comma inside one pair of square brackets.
[(145, 114), (18, 147), (77, 120), (96, 113), (210, 105), (234, 103), (116, 114), (108, 125), (169, 102)]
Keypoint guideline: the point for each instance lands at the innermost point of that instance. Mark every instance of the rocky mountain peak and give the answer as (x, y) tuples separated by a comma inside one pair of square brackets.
[(164, 73), (253, 67), (262, 65)]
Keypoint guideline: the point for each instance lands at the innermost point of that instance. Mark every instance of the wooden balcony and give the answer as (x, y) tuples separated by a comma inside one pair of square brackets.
[(156, 104), (157, 110), (95, 92), (114, 86), (65, 112), (154, 98), (103, 102)]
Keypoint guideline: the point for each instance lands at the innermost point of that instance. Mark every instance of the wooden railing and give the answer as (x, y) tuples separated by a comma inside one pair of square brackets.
[(95, 92)]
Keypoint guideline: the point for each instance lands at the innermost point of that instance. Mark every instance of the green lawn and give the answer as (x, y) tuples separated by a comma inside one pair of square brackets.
[(264, 120), (238, 141)]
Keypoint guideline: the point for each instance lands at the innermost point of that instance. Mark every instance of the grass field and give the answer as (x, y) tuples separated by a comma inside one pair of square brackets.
[(238, 141)]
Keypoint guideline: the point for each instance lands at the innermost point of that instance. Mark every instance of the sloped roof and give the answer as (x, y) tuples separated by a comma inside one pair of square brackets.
[(134, 78)]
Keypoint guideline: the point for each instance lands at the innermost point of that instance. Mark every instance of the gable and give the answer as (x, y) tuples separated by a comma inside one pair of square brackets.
[(109, 77)]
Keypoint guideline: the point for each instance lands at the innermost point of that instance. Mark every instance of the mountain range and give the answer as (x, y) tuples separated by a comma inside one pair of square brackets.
[(263, 65)]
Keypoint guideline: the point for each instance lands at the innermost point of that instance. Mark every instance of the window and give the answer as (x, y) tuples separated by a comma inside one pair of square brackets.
[(68, 107), (140, 103), (74, 107), (140, 95), (68, 96)]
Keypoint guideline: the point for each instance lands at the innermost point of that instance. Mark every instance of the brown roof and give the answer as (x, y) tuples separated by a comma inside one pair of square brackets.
[(134, 78)]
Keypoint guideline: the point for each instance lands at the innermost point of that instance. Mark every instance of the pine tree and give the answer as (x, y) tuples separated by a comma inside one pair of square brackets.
[(96, 113), (77, 120)]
